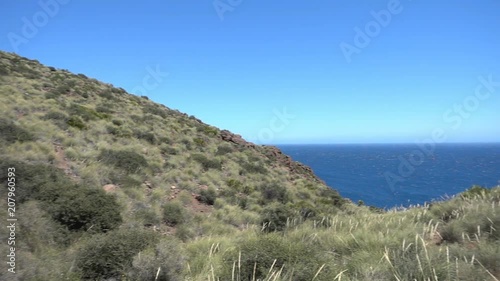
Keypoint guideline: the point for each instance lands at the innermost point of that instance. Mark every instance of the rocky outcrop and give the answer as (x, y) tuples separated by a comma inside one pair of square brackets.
[(226, 135), (275, 154)]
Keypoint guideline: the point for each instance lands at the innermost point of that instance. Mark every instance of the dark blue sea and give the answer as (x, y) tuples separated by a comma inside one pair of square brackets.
[(393, 175)]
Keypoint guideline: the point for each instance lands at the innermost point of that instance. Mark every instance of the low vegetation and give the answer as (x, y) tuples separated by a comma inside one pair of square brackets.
[(111, 186)]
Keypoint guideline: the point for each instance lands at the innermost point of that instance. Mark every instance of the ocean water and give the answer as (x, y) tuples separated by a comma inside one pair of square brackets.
[(390, 175)]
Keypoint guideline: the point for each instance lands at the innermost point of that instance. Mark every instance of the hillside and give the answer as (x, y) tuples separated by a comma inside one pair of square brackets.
[(112, 186)]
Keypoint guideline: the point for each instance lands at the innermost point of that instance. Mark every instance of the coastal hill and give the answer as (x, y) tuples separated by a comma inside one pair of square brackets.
[(112, 186)]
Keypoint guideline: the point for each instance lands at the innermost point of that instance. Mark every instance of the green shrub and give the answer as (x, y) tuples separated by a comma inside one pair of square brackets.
[(147, 136), (200, 142), (208, 130), (207, 196), (105, 108), (147, 216), (55, 115), (223, 150), (275, 217), (234, 184), (167, 257), (110, 255), (122, 132), (174, 213), (74, 206), (80, 208), (12, 132), (117, 122), (206, 163), (259, 257), (108, 94), (32, 177), (85, 113), (256, 168), (474, 192), (446, 211), (129, 161), (4, 71), (165, 149), (77, 122), (274, 192), (330, 197), (153, 109), (187, 143)]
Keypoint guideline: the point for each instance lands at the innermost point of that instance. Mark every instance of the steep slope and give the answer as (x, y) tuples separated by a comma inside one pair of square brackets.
[(153, 160), (106, 185)]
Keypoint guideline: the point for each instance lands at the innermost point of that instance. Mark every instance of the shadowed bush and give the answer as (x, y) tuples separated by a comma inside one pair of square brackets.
[(12, 132), (166, 258), (80, 208), (274, 217), (174, 213), (274, 192), (206, 163), (74, 206), (129, 161), (207, 196), (110, 255)]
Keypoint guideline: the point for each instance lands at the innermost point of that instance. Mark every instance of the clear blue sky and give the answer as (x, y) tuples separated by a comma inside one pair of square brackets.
[(240, 67)]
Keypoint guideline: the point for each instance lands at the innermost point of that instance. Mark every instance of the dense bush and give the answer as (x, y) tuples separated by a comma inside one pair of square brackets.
[(330, 197), (200, 142), (274, 192), (223, 150), (80, 208), (129, 161), (259, 257), (474, 191), (147, 216), (207, 130), (153, 109), (274, 217), (207, 196), (166, 149), (147, 136), (253, 168), (77, 122), (119, 131), (74, 206), (12, 132), (174, 213), (85, 113), (165, 259), (110, 255), (206, 163), (58, 118), (105, 108), (32, 177)]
